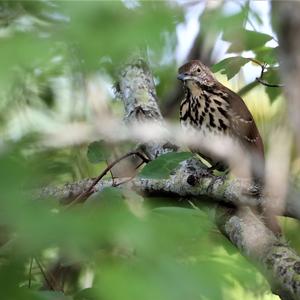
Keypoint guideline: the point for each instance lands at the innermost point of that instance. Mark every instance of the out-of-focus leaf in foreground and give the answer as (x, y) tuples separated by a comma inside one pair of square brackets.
[(116, 29), (230, 66), (97, 152), (162, 167)]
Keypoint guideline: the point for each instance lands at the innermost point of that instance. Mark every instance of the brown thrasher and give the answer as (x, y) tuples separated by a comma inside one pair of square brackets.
[(213, 110)]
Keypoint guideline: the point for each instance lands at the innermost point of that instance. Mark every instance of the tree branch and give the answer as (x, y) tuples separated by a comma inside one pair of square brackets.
[(189, 181), (279, 263), (137, 90), (263, 82)]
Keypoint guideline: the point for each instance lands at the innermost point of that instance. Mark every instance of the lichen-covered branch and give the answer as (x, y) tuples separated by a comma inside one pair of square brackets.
[(189, 181), (137, 90), (275, 259)]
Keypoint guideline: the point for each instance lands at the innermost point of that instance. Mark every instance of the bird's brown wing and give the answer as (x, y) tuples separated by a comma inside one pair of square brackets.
[(243, 124)]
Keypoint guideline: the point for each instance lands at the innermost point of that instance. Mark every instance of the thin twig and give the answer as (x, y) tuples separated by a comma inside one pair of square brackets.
[(257, 62), (85, 194), (263, 68), (30, 272), (128, 179), (48, 281), (263, 82), (111, 174), (260, 79)]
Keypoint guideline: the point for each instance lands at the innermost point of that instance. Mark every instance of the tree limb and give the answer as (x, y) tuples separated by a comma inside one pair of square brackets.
[(279, 263), (196, 183), (137, 90)]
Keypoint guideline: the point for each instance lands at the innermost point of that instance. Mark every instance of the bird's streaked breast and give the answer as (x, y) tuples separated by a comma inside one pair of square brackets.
[(204, 112)]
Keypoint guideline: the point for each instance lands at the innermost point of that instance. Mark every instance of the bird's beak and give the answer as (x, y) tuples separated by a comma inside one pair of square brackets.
[(183, 76)]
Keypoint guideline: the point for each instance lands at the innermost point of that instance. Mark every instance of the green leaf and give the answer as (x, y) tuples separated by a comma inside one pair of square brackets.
[(21, 50), (116, 30), (191, 215), (86, 294), (97, 152), (214, 20), (53, 295), (247, 88), (109, 197), (267, 55), (243, 39), (162, 167), (230, 66), (273, 93), (272, 77)]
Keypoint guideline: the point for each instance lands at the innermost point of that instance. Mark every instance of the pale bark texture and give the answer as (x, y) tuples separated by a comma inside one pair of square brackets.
[(137, 90)]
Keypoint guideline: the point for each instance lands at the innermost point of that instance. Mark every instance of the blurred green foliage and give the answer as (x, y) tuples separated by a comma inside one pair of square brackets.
[(241, 40), (230, 66), (168, 253), (97, 152), (52, 48), (164, 165)]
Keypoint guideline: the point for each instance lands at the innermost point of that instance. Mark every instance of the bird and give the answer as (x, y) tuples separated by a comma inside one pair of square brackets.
[(213, 110), (210, 108)]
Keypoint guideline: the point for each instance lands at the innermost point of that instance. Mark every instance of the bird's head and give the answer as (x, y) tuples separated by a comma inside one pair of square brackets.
[(195, 71)]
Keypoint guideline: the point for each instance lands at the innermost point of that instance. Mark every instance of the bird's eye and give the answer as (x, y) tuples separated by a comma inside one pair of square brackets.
[(198, 70)]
